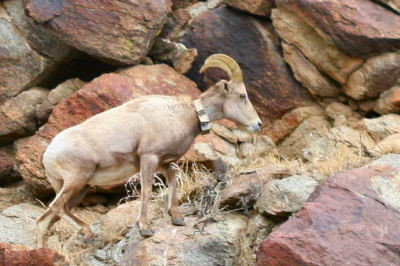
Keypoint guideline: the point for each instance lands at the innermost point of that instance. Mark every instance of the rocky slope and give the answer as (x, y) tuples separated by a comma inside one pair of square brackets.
[(323, 75)]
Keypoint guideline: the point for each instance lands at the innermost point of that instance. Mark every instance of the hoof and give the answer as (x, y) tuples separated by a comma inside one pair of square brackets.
[(89, 240), (89, 235), (178, 221), (146, 232)]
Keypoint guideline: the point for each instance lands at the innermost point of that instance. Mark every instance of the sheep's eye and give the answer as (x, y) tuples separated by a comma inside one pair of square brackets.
[(243, 96)]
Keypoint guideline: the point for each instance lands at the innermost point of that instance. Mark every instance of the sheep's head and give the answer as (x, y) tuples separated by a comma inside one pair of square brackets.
[(237, 106)]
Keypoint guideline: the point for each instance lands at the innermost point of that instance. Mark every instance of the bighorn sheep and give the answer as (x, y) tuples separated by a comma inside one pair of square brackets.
[(146, 133)]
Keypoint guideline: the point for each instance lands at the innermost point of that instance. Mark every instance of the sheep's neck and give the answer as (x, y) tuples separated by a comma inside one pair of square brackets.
[(213, 105)]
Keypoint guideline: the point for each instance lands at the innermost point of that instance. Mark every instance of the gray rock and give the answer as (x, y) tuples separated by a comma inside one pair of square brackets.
[(224, 133), (383, 126), (215, 242), (18, 115), (62, 90), (246, 150), (386, 187), (177, 53), (18, 224), (319, 150), (38, 38), (264, 144), (286, 195), (21, 66), (241, 135)]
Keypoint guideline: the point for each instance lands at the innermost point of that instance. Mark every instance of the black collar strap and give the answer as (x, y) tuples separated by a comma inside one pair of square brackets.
[(205, 124)]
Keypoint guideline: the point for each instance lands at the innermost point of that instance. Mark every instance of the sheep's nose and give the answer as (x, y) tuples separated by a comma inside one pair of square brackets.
[(259, 123)]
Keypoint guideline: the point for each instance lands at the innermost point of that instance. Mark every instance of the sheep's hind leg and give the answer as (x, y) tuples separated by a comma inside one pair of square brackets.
[(73, 190), (45, 221), (48, 218), (176, 216), (148, 164), (75, 200)]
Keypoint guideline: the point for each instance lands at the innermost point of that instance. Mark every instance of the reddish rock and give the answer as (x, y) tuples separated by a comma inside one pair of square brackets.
[(18, 115), (62, 90), (281, 128), (323, 54), (14, 255), (177, 22), (247, 187), (210, 147), (176, 4), (305, 72), (376, 75), (120, 32), (358, 27), (104, 92), (389, 101), (256, 7), (271, 87), (38, 38), (352, 219), (224, 133), (6, 168)]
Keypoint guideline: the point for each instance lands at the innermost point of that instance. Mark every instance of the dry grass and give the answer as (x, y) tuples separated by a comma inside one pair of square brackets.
[(68, 242), (199, 189)]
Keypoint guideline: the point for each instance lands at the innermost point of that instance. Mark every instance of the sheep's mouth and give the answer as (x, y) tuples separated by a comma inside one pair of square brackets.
[(253, 128)]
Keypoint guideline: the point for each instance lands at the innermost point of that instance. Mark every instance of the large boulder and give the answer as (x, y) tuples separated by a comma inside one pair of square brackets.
[(357, 207), (15, 255), (389, 101), (317, 83), (281, 128), (307, 132), (390, 144), (358, 27), (294, 30), (60, 92), (18, 115), (269, 82), (393, 4), (38, 38), (211, 148), (284, 196), (212, 242), (116, 223), (18, 224), (6, 168), (20, 66), (256, 7), (118, 32), (245, 189), (104, 92), (342, 145), (381, 127), (176, 4), (15, 194), (378, 74)]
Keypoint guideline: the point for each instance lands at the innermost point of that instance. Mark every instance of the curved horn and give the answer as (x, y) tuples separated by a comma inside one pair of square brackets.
[(225, 63)]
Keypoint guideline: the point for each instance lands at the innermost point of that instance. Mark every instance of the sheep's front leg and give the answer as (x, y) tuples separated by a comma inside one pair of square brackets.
[(148, 164), (176, 215)]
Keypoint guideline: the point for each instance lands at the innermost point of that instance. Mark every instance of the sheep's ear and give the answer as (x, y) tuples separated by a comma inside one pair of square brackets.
[(224, 85)]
